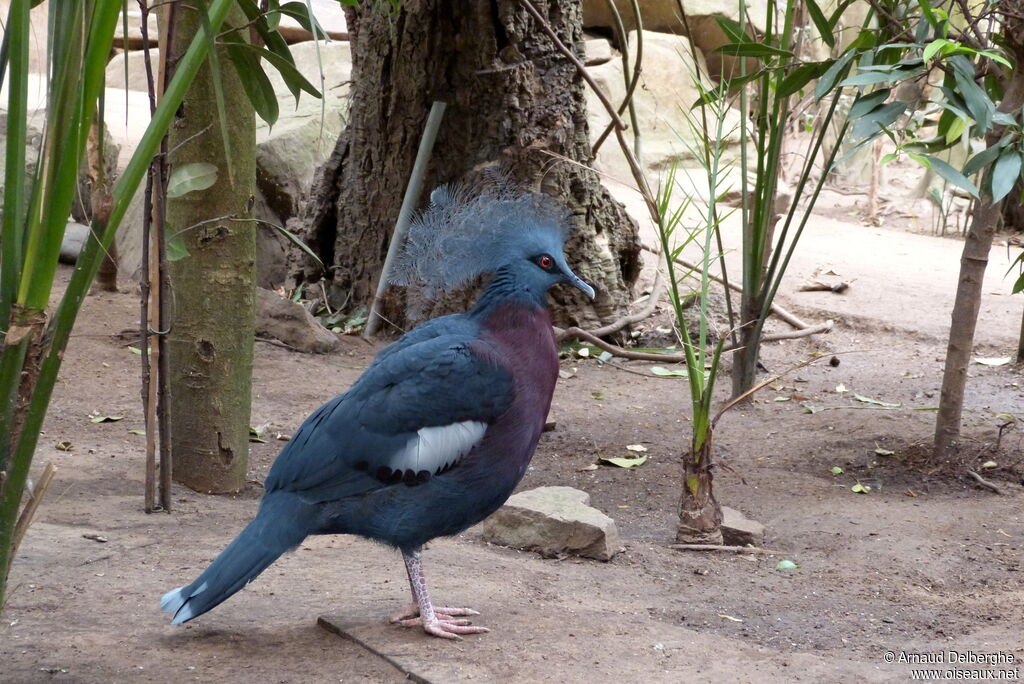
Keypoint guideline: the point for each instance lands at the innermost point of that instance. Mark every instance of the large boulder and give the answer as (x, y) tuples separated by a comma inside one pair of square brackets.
[(289, 153), (329, 15), (662, 100), (663, 16)]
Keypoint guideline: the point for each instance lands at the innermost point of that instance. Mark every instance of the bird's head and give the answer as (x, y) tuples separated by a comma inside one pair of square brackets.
[(500, 230), (534, 255)]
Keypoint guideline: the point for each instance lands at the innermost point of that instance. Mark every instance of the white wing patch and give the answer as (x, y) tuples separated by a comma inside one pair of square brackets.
[(434, 448)]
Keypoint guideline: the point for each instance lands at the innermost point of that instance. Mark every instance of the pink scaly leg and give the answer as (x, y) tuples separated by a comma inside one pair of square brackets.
[(439, 621)]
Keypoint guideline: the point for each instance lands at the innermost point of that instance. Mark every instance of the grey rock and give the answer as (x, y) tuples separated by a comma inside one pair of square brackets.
[(597, 51), (289, 322), (739, 530), (553, 521), (665, 92), (75, 235), (289, 153)]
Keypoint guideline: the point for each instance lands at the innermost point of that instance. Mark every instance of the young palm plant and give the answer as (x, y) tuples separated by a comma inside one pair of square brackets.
[(34, 336)]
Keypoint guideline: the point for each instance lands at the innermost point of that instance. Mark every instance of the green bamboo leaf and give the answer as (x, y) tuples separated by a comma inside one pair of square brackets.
[(294, 239), (1018, 285), (834, 19), (292, 77), (868, 102), (994, 56), (929, 13), (872, 77), (254, 79), (218, 92), (732, 29), (877, 120), (670, 372), (302, 13), (832, 74), (932, 145), (955, 130), (821, 23), (953, 109), (978, 102), (751, 49), (176, 249), (724, 88), (1005, 173), (933, 47), (801, 76), (191, 177), (266, 26), (951, 175), (982, 159)]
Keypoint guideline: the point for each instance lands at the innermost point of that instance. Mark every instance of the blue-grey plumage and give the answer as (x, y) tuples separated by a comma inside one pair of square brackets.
[(441, 427)]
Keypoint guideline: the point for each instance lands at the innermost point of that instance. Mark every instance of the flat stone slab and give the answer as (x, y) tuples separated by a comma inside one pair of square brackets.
[(739, 530), (553, 521)]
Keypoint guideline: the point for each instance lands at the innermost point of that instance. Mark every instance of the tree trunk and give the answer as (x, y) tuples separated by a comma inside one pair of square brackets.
[(513, 102), (973, 261), (210, 343), (700, 516)]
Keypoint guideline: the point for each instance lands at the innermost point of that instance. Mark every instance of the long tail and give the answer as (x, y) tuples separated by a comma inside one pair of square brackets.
[(281, 524)]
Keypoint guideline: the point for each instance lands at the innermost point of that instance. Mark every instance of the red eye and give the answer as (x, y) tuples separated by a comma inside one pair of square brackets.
[(546, 262)]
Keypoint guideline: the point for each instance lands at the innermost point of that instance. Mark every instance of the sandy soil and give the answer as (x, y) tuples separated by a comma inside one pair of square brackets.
[(924, 563)]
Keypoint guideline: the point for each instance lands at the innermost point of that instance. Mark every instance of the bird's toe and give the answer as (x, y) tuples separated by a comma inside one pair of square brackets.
[(411, 612), (452, 629), (458, 612)]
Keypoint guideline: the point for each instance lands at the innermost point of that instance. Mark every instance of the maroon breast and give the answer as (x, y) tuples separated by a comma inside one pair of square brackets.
[(525, 343)]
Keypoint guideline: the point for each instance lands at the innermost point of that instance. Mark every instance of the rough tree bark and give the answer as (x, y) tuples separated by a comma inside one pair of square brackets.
[(974, 259), (210, 344), (512, 99)]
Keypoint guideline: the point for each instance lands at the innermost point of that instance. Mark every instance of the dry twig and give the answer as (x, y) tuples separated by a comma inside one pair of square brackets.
[(984, 483), (721, 547), (35, 497)]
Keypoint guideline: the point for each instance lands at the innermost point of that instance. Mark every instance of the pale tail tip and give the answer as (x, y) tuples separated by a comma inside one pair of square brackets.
[(173, 602)]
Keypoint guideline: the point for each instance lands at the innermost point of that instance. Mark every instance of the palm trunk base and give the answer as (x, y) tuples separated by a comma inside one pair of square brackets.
[(700, 516)]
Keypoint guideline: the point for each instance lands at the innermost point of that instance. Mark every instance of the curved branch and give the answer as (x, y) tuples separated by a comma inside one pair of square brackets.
[(632, 82), (630, 319), (681, 358)]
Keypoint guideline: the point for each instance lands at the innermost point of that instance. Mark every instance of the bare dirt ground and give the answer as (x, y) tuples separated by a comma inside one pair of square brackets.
[(923, 564)]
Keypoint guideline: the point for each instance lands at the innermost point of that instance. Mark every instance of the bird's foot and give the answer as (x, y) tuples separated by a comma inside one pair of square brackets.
[(412, 613), (447, 623)]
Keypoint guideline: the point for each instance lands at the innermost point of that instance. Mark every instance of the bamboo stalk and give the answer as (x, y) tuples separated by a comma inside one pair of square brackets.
[(149, 386), (16, 37), (162, 318), (412, 195)]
